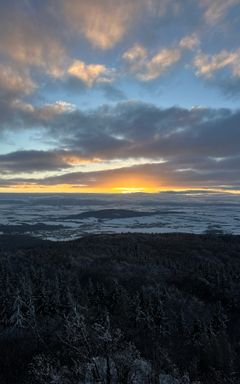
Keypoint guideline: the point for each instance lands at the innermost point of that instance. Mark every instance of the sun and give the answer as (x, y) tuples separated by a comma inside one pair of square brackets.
[(129, 190)]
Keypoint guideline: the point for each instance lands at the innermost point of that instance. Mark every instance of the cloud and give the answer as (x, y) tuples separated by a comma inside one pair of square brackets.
[(18, 115), (135, 54), (160, 63), (103, 22), (190, 42), (90, 74), (174, 147), (147, 176), (155, 175), (149, 68), (208, 65), (14, 82), (43, 45), (35, 161), (137, 130), (133, 128), (50, 49), (217, 9), (32, 161), (30, 38)]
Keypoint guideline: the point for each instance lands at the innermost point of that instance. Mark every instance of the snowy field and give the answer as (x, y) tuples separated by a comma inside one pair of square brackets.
[(64, 216)]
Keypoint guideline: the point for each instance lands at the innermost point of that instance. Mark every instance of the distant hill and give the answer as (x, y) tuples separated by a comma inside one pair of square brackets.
[(116, 214)]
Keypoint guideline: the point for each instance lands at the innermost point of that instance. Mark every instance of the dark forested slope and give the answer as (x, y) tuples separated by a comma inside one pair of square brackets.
[(121, 309)]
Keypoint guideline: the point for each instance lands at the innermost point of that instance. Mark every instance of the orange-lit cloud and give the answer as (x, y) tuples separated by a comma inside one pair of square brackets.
[(90, 73), (15, 81), (190, 42), (149, 67), (207, 65), (29, 40), (139, 178), (102, 22)]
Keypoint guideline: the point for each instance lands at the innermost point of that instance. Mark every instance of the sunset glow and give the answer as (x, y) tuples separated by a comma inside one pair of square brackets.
[(119, 97)]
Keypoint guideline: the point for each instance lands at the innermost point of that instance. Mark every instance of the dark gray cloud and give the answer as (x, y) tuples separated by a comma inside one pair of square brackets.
[(200, 146), (31, 161), (133, 129)]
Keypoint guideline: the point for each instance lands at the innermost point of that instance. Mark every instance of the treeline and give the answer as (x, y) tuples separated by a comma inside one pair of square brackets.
[(122, 309)]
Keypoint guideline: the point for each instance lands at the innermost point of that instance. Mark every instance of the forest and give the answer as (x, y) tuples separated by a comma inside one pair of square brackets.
[(132, 308)]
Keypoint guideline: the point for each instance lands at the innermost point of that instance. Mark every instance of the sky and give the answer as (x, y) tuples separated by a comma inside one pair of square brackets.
[(119, 96)]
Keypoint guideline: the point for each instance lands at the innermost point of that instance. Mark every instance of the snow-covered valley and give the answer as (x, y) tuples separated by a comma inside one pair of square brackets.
[(65, 217)]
